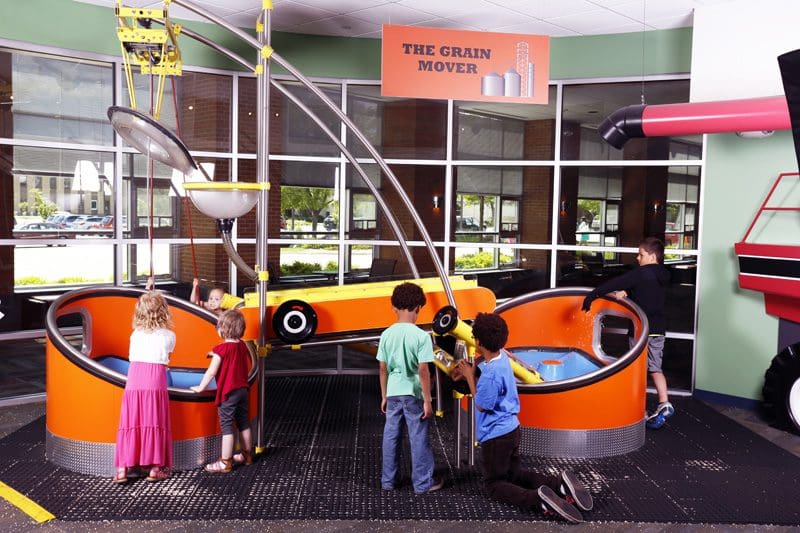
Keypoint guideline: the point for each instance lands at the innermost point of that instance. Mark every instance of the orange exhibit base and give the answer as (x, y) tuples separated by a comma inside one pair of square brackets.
[(598, 411), (85, 382)]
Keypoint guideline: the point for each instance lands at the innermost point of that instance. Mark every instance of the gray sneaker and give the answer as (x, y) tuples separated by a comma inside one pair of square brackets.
[(552, 503), (575, 491), (657, 419)]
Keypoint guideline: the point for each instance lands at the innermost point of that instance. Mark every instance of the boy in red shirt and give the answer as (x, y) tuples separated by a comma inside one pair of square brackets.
[(230, 364)]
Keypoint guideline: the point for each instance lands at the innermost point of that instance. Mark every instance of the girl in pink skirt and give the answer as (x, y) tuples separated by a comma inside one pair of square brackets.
[(144, 437)]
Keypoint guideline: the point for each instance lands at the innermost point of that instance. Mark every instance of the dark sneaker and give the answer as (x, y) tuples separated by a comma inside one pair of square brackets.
[(575, 492), (436, 484), (657, 419), (552, 503)]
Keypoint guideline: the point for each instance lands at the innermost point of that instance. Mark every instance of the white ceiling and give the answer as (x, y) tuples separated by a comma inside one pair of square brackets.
[(363, 18)]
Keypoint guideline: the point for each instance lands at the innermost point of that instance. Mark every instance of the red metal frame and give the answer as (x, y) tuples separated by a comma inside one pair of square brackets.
[(781, 293)]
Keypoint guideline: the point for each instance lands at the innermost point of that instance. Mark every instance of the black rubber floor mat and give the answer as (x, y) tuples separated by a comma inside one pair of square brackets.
[(323, 461)]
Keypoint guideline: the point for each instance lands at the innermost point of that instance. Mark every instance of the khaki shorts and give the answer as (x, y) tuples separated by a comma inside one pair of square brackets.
[(655, 352)]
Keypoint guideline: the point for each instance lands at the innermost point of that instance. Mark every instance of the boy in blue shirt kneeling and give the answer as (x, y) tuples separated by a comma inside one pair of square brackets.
[(497, 405)]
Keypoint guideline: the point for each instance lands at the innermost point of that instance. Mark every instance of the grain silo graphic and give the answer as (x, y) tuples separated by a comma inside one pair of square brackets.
[(525, 69), (492, 85), (512, 83)]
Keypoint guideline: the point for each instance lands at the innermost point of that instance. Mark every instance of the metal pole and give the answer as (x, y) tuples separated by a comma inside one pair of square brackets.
[(262, 227), (458, 429)]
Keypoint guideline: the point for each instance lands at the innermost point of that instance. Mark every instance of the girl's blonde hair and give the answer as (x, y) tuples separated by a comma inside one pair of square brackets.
[(152, 312), (231, 324)]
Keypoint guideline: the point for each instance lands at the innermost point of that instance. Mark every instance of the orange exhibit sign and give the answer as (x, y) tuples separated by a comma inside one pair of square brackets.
[(465, 65)]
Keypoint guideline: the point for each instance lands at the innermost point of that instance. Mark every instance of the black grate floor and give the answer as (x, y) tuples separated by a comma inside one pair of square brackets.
[(323, 462)]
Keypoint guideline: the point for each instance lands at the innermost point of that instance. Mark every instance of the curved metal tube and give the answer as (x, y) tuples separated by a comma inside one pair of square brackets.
[(395, 225), (234, 256), (586, 379), (352, 127), (389, 174), (398, 231)]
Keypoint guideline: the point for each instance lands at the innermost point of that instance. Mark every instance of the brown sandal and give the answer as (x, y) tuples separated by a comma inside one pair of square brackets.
[(120, 476), (157, 474), (245, 457), (220, 466)]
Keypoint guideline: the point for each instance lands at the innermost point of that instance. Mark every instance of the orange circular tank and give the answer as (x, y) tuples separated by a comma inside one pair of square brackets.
[(84, 396)]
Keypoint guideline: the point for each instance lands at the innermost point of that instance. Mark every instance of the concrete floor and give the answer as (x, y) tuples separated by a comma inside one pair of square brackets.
[(12, 519)]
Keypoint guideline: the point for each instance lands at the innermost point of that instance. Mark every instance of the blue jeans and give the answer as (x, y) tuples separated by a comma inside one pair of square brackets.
[(410, 409)]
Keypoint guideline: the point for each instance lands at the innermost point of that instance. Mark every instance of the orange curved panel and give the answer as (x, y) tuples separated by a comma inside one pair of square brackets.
[(617, 400), (84, 407)]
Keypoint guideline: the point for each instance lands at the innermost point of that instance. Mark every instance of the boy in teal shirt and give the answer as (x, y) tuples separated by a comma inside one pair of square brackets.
[(404, 352)]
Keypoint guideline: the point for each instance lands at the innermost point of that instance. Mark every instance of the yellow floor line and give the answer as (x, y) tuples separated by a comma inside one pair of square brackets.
[(28, 506)]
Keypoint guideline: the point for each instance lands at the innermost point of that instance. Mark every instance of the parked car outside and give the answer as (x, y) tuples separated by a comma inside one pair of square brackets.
[(73, 221), (58, 218), (467, 224), (94, 223), (104, 222), (41, 230), (329, 223)]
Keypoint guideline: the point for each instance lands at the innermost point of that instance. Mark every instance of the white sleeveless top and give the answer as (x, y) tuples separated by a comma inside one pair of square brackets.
[(151, 346)]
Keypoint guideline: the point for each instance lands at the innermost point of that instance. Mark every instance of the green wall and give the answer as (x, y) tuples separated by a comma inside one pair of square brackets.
[(93, 28), (736, 339)]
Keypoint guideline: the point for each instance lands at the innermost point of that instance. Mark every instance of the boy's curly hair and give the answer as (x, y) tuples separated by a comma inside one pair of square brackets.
[(408, 296), (231, 324), (490, 330)]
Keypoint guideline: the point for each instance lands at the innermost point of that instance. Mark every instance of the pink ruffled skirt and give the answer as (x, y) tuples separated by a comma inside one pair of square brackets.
[(144, 436)]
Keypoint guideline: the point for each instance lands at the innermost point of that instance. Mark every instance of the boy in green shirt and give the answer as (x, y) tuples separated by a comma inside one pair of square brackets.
[(404, 352)]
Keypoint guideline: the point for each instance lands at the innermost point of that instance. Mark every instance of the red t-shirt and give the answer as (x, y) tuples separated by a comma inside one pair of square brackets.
[(235, 365)]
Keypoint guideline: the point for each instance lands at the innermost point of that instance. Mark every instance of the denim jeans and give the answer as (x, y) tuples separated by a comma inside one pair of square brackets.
[(409, 408)]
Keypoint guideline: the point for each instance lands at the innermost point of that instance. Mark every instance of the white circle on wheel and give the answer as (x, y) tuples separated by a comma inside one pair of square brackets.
[(793, 403), (294, 322)]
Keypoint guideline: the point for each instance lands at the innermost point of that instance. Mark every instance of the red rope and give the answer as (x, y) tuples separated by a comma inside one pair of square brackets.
[(187, 204), (150, 189)]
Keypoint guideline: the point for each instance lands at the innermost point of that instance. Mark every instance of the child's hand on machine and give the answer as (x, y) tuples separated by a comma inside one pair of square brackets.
[(196, 388), (463, 370)]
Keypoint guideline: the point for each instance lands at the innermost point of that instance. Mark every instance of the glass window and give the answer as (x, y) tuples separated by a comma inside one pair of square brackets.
[(397, 127), (485, 130), (173, 215), (203, 116), (290, 130), (620, 206), (58, 194), (303, 200), (489, 203), (45, 98), (175, 265), (681, 206), (586, 106)]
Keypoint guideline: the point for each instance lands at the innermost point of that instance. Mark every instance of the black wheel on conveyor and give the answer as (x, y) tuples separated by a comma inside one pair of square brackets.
[(781, 392), (445, 320), (294, 321)]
